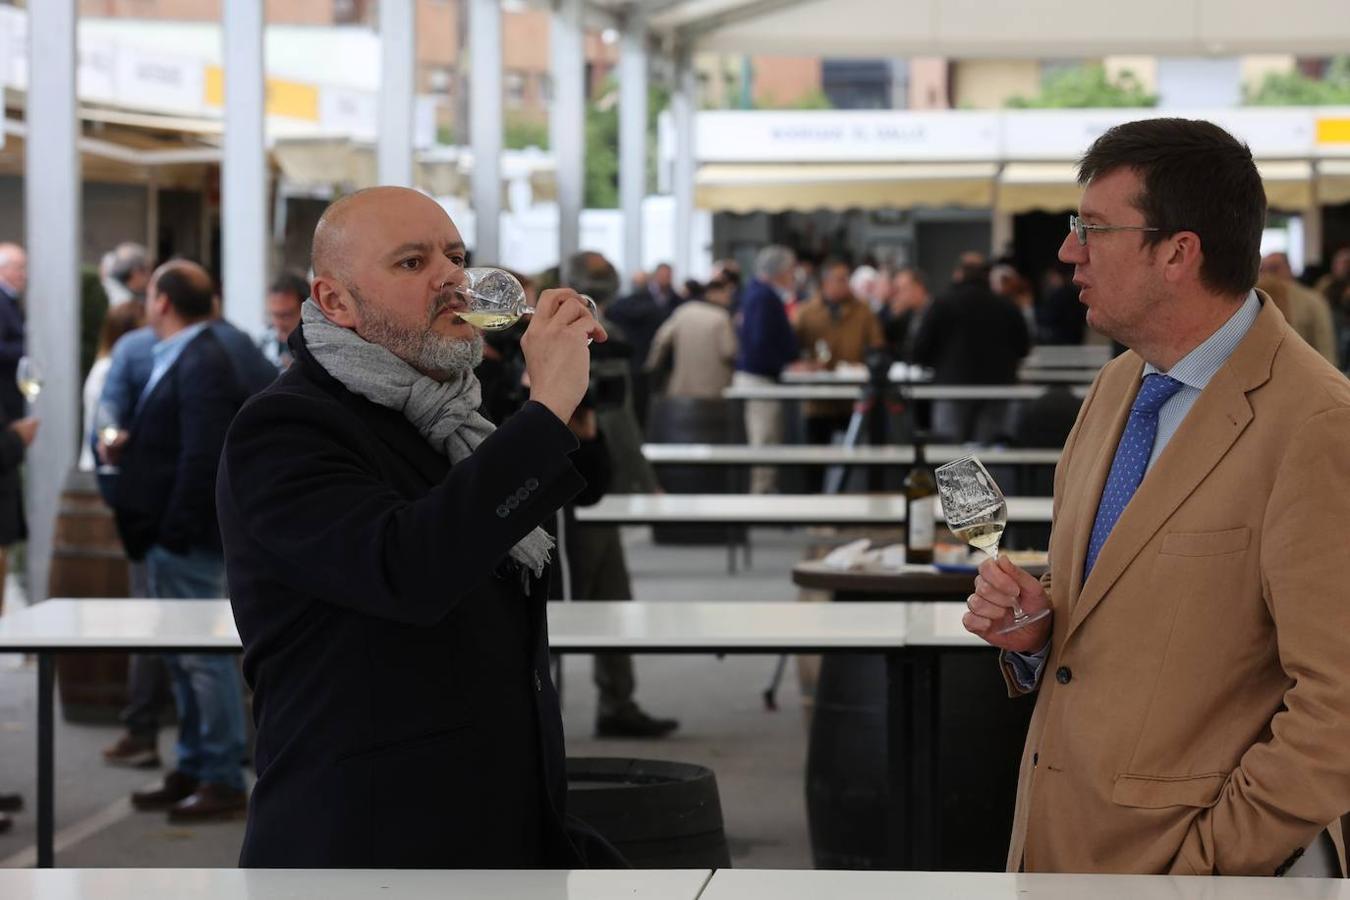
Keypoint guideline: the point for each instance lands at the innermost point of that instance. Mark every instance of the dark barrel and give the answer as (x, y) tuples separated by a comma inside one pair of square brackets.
[(980, 733), (696, 420), (88, 561), (658, 814)]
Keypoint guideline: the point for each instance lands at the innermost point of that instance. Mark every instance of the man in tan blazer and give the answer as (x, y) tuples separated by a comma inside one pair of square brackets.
[(1193, 707)]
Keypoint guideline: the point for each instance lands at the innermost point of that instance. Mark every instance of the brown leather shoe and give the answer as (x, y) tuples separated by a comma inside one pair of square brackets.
[(132, 752), (176, 787), (210, 803)]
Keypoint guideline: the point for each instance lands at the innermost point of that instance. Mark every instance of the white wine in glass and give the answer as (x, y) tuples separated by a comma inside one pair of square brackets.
[(29, 378), (977, 513), (495, 300)]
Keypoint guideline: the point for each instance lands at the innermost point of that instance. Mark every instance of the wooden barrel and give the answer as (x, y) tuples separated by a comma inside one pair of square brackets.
[(979, 734), (658, 814), (88, 561)]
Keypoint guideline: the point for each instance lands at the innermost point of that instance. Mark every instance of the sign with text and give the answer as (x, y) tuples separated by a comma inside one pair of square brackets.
[(846, 136)]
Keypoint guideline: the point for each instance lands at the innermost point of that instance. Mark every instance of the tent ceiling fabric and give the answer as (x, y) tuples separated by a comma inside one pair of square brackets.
[(983, 28), (842, 186)]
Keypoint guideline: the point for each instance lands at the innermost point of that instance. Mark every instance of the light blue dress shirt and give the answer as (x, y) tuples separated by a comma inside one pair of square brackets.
[(166, 353), (1195, 370)]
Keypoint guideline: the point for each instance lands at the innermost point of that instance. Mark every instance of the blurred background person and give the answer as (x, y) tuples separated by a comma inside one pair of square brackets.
[(13, 335), (1060, 318), (124, 273), (1307, 311), (1008, 283), (904, 310), (972, 336), (835, 328), (284, 298), (765, 344), (122, 318), (698, 345), (15, 439), (971, 263), (1335, 287), (863, 283)]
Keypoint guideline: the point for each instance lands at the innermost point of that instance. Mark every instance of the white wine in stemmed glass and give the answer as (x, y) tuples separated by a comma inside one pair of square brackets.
[(28, 375), (495, 300), (976, 512)]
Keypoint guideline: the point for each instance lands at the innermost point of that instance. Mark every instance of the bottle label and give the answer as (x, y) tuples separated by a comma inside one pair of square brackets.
[(922, 523)]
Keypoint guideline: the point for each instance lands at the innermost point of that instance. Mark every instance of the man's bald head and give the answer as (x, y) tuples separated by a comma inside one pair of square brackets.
[(14, 267), (348, 222)]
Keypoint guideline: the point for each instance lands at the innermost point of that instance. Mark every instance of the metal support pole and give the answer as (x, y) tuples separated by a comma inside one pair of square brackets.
[(52, 225), (683, 104), (567, 122), (244, 168), (632, 135), (485, 128), (398, 52), (46, 760)]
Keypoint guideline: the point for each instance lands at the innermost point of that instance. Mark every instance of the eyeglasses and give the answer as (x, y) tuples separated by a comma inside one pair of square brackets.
[(1078, 227)]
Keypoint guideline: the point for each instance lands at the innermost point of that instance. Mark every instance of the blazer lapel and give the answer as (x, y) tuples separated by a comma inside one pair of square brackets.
[(1219, 416)]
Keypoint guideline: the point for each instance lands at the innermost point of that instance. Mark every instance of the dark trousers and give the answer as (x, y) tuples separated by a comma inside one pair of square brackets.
[(600, 572), (147, 679), (821, 430)]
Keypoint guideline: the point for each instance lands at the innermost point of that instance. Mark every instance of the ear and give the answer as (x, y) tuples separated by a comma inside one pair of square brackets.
[(1183, 256), (334, 301)]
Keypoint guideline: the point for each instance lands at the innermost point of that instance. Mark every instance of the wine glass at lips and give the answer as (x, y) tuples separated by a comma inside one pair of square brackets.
[(495, 300), (976, 512), (28, 376)]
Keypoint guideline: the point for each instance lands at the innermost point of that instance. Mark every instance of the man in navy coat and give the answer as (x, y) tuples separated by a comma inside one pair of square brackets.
[(396, 645)]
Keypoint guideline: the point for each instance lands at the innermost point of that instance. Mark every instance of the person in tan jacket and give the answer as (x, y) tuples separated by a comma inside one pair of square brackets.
[(1193, 683), (698, 341), (834, 328), (1308, 312)]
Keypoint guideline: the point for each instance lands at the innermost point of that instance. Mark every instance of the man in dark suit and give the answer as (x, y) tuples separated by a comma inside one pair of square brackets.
[(13, 283), (970, 335), (386, 567), (766, 344), (165, 508), (14, 441)]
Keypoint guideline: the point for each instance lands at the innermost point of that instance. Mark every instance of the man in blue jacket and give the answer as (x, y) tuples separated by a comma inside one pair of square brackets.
[(387, 570), (767, 344), (165, 509)]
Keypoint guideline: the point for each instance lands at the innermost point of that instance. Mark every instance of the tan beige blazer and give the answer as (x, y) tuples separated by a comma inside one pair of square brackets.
[(1194, 712)]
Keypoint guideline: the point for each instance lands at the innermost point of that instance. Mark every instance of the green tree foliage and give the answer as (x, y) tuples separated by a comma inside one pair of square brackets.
[(1087, 87), (1296, 89), (602, 144), (521, 133), (814, 99)]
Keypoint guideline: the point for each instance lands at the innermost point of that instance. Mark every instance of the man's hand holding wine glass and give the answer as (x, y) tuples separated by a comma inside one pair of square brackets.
[(1000, 586), (557, 359)]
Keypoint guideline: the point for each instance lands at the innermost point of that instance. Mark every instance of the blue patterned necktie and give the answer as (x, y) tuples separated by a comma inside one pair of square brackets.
[(1132, 455)]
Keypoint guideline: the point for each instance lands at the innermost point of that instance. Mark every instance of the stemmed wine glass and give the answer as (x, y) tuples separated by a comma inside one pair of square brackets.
[(108, 429), (496, 300), (977, 513), (28, 376)]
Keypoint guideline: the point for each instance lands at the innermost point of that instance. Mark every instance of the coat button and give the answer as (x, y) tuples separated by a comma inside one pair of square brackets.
[(532, 484), (1064, 674), (538, 683), (503, 512), (512, 501), (522, 495)]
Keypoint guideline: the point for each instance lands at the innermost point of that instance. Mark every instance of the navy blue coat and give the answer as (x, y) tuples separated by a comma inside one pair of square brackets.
[(166, 486), (765, 339), (13, 338), (405, 715)]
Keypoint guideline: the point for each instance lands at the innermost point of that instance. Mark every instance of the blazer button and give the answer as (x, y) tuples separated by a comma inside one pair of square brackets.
[(512, 501), (531, 484), (1064, 674), (522, 495), (538, 683), (503, 512)]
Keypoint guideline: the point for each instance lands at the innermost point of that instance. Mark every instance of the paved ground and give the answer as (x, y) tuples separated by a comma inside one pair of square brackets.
[(758, 756)]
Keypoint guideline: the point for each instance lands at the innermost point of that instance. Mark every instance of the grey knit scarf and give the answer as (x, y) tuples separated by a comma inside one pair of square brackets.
[(444, 412)]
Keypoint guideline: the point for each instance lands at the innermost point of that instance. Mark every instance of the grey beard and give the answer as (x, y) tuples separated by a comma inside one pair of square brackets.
[(424, 350)]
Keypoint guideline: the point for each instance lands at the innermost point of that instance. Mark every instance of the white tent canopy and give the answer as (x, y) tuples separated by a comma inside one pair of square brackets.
[(983, 28)]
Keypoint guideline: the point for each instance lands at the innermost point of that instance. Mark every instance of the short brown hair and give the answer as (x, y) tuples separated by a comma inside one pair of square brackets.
[(1197, 177)]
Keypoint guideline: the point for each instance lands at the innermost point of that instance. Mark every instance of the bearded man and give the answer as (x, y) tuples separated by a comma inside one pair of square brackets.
[(386, 567)]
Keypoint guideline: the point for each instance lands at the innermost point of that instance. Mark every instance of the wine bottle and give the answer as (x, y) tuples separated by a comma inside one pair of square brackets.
[(920, 508)]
